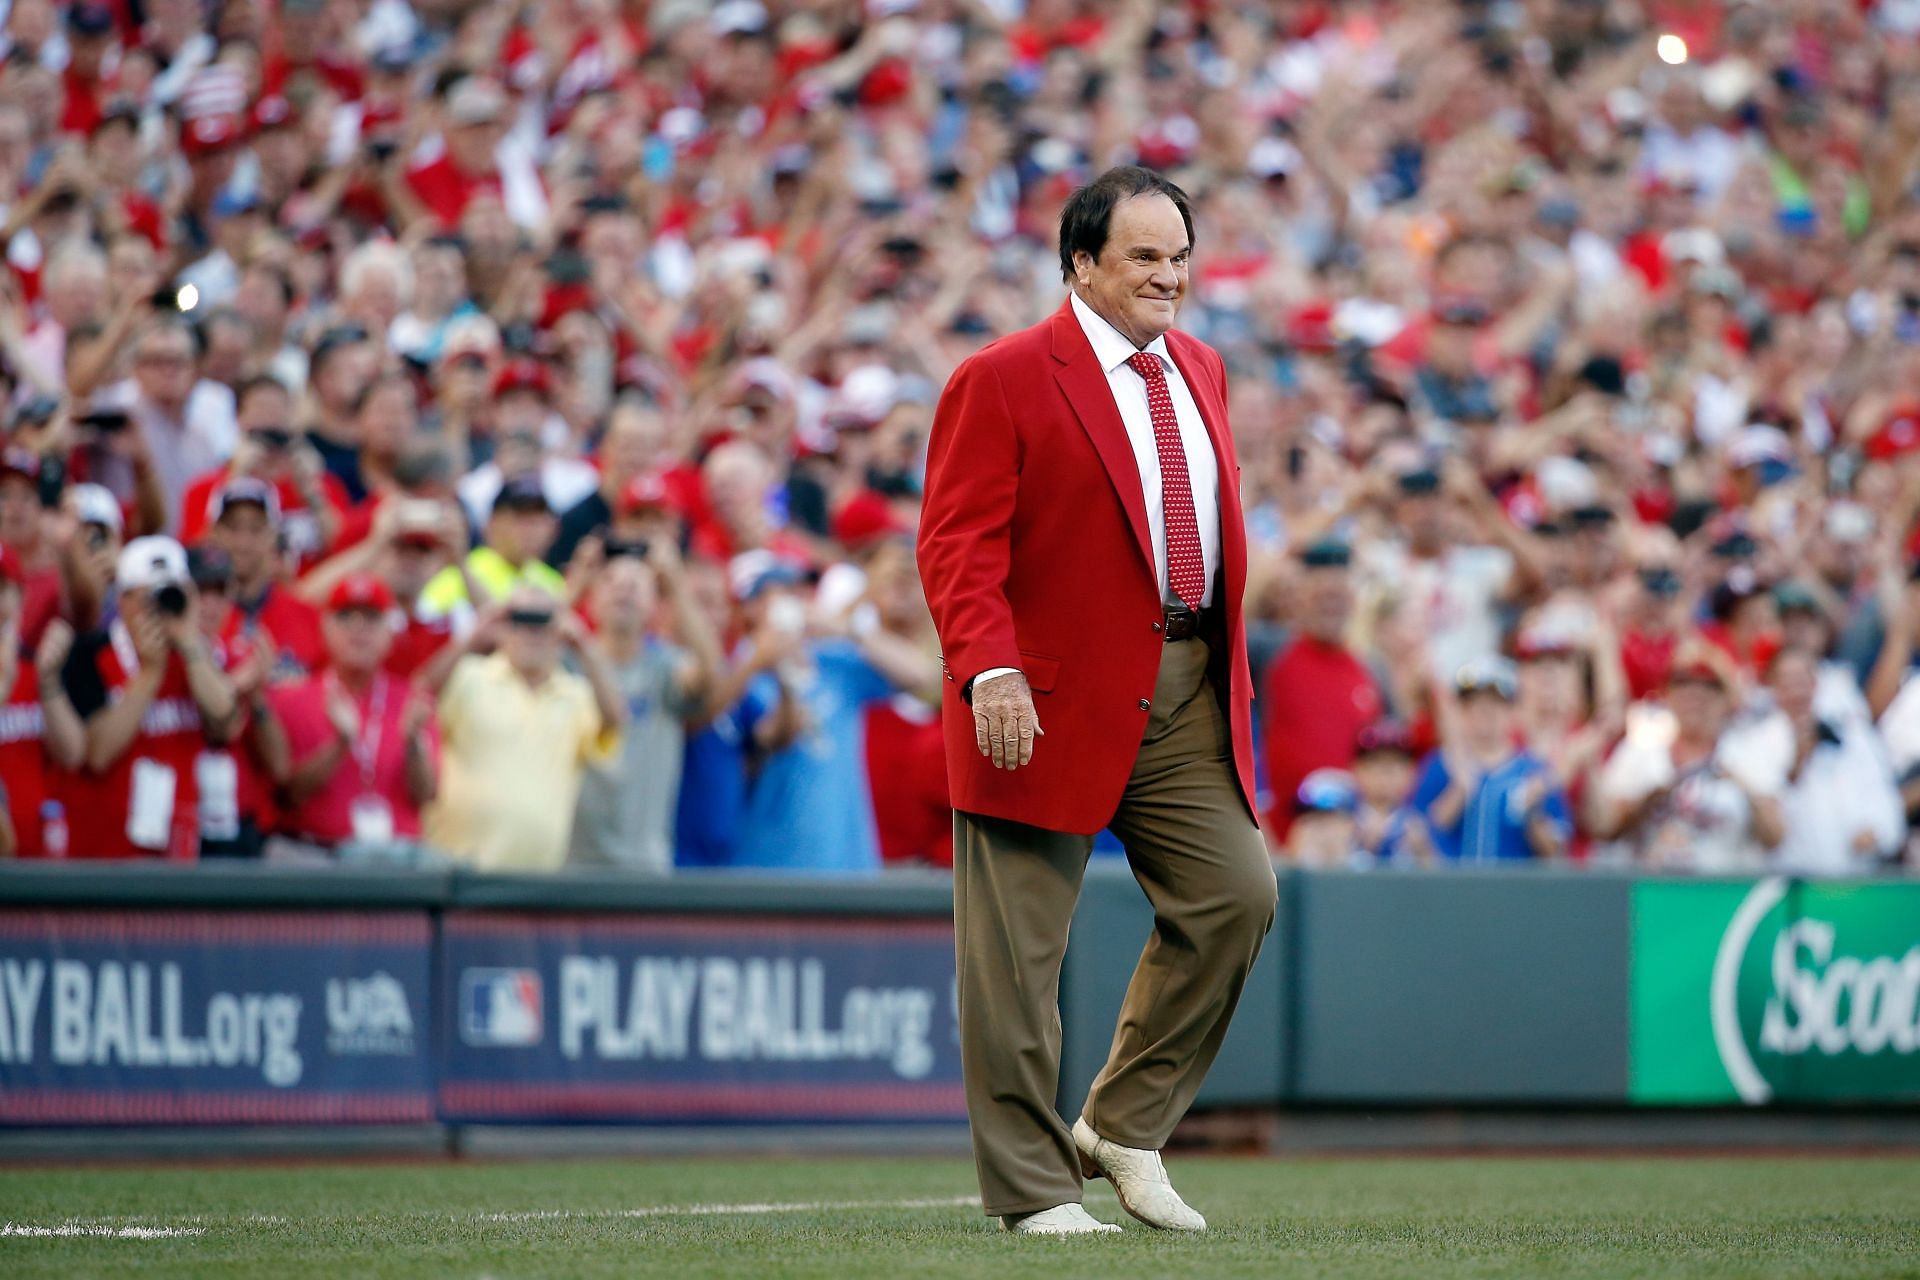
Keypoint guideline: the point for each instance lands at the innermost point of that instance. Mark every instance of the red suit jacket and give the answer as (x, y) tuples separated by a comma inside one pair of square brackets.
[(1035, 554)]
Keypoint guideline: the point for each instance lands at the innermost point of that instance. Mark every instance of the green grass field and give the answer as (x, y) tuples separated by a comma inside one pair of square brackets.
[(851, 1219)]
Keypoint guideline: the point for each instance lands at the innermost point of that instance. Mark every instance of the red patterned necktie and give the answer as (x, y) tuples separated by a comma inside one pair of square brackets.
[(1186, 569)]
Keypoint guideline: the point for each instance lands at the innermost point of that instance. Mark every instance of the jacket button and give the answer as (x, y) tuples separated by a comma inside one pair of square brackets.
[(1156, 628), (1144, 704)]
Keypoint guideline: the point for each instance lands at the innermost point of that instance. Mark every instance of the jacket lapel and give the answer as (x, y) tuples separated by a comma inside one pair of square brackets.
[(1085, 384)]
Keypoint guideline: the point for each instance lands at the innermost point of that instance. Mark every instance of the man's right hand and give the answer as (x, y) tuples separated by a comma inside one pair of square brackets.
[(1005, 723)]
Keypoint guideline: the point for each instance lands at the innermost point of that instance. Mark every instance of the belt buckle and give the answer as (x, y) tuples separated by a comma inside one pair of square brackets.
[(1181, 624)]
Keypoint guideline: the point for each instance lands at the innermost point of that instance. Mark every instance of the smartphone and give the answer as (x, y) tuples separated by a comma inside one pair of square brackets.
[(53, 481), (638, 548)]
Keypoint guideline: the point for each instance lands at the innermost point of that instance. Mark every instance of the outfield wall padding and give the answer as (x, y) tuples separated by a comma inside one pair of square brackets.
[(154, 994)]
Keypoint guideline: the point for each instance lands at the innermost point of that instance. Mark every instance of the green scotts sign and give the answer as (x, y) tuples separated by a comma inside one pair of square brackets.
[(1775, 990)]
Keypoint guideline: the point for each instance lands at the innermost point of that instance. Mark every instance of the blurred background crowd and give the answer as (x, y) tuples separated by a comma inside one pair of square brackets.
[(496, 428)]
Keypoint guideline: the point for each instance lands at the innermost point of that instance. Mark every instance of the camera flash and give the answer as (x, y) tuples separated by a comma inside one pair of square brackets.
[(1672, 49)]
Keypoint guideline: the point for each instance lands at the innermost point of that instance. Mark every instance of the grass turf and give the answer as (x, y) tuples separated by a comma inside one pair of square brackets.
[(1431, 1218)]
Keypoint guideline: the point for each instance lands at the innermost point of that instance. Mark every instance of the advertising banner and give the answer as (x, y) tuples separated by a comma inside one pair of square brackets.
[(1775, 990), (549, 1017), (203, 1017)]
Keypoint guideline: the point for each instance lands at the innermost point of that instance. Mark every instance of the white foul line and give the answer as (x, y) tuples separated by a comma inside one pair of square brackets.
[(99, 1229), (729, 1210)]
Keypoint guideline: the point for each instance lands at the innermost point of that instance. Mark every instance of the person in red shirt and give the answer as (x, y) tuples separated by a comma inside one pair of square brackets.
[(365, 746), (1317, 695), (23, 534), (246, 525), (476, 123), (89, 41), (313, 502), (37, 725), (153, 697)]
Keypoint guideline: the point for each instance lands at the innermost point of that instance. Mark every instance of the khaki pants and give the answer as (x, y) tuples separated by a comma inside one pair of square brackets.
[(1203, 865)]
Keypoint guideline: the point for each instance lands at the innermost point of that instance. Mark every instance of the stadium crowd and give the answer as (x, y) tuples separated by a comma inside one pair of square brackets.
[(496, 428)]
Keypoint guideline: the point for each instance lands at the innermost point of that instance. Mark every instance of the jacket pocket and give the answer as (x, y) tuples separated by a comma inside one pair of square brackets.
[(1041, 671)]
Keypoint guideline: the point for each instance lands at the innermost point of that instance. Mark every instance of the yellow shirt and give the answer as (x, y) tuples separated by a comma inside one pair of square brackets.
[(512, 757), (446, 590)]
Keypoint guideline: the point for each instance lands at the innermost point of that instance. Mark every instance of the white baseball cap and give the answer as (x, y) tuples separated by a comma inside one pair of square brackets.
[(150, 562)]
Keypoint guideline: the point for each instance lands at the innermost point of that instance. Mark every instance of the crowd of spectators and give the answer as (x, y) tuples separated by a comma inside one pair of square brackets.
[(496, 428)]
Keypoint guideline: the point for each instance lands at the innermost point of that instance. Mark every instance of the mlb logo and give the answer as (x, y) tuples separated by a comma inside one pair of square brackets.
[(500, 1008)]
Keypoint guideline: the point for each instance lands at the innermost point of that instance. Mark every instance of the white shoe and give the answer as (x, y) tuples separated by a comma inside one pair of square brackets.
[(1138, 1178), (1061, 1220)]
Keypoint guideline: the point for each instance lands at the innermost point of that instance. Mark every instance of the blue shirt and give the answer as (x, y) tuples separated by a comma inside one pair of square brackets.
[(1492, 825), (713, 793), (810, 807)]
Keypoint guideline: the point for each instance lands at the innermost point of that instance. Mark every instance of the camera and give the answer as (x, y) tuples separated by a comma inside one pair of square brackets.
[(636, 548), (170, 598)]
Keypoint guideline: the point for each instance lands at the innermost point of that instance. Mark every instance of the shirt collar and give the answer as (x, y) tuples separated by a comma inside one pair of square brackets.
[(1111, 347)]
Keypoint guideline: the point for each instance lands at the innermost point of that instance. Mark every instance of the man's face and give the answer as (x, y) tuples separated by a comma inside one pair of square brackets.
[(1487, 719), (1423, 516), (346, 374), (1327, 603), (1321, 839), (1699, 707), (164, 367), (473, 146), (1385, 778), (247, 536), (633, 436), (265, 409), (532, 642), (522, 534), (1140, 277), (19, 510), (625, 594), (522, 411), (358, 639), (1792, 682)]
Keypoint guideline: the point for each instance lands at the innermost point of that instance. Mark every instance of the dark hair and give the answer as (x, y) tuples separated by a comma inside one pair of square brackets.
[(1089, 210), (251, 387)]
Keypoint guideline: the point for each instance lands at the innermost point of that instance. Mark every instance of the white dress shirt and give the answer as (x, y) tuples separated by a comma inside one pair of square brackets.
[(1113, 350)]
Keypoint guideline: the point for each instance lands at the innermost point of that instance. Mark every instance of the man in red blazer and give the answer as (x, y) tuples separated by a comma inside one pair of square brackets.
[(1084, 556)]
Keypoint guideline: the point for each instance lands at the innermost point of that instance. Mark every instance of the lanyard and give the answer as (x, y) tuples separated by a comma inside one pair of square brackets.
[(366, 743)]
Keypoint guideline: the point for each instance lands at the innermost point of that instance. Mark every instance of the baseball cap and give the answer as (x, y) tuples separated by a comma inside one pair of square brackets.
[(866, 517), (1697, 671), (1899, 433), (1542, 641), (231, 203), (1329, 553), (203, 135), (476, 100), (209, 566), (523, 375), (1488, 675), (1382, 736), (752, 572), (645, 492), (149, 562), (1757, 444), (247, 489), (1327, 791), (20, 462), (523, 492), (95, 504), (90, 20), (1794, 597), (271, 112), (360, 591)]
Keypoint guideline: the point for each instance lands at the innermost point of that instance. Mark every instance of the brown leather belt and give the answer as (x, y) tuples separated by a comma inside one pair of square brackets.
[(1182, 624)]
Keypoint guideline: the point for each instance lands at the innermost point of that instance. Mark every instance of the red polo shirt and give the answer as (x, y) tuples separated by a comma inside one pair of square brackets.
[(1315, 700), (291, 623), (23, 761), (377, 764)]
